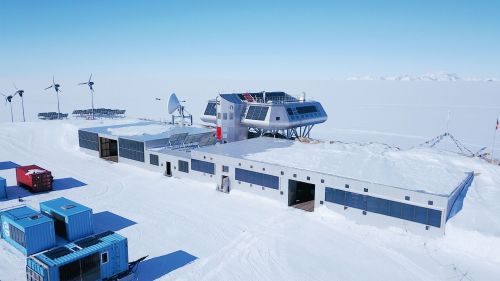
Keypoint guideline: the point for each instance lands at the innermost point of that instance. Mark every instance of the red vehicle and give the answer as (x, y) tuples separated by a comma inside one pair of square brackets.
[(34, 178)]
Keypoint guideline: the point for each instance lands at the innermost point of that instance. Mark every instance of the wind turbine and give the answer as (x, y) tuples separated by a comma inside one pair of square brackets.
[(9, 100), (90, 84), (56, 88), (20, 93)]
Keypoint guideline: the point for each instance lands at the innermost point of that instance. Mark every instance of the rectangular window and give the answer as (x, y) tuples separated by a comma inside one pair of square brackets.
[(183, 166), (154, 160), (257, 178), (224, 116), (104, 257), (203, 166), (231, 116), (384, 207), (225, 169)]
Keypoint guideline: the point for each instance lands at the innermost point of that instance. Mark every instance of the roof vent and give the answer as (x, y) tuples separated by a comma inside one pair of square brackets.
[(67, 207)]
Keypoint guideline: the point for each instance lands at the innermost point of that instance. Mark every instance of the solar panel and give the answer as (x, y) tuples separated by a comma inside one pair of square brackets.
[(87, 242), (190, 139), (211, 109), (207, 140), (104, 234), (177, 139), (257, 113), (57, 253)]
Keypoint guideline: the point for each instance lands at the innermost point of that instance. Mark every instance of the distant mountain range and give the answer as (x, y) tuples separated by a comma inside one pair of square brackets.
[(436, 76)]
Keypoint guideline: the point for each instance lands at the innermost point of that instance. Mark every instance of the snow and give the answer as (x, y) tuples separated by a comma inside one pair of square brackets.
[(35, 171), (151, 129), (240, 236), (439, 76), (415, 169)]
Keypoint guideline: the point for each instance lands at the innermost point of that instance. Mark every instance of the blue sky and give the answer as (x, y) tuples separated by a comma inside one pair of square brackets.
[(249, 39)]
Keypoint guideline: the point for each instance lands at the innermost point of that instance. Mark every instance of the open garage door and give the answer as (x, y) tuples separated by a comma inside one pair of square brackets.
[(108, 149), (301, 195)]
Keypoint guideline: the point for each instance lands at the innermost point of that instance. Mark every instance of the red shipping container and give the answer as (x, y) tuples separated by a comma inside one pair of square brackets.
[(34, 178)]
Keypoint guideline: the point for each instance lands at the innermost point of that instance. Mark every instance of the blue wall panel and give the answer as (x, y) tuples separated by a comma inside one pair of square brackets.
[(384, 207), (257, 178)]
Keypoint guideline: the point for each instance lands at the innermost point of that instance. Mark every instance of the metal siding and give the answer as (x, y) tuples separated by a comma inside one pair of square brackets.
[(114, 244), (79, 225), (3, 185), (385, 207), (456, 193), (40, 237)]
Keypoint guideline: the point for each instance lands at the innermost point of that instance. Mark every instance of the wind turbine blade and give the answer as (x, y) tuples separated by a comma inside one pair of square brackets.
[(3, 94), (83, 83), (48, 87), (15, 86), (90, 77)]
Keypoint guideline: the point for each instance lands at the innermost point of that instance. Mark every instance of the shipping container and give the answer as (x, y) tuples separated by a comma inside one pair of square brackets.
[(3, 188), (96, 257), (72, 220), (27, 230), (34, 178)]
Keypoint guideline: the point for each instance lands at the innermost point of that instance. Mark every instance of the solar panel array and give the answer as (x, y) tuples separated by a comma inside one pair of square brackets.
[(51, 115), (57, 253), (211, 109), (177, 139), (207, 140), (100, 113), (257, 113)]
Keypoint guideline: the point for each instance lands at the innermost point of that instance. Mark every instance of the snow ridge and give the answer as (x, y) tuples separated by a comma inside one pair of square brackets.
[(432, 76)]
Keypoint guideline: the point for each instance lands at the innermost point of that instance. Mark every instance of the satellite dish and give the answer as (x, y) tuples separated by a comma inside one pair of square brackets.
[(173, 104)]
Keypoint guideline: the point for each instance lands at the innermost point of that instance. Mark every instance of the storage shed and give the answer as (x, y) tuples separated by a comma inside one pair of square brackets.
[(96, 257), (72, 220), (27, 230), (3, 188)]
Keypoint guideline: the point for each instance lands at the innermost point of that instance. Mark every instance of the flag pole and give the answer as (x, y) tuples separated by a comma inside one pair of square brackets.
[(494, 140)]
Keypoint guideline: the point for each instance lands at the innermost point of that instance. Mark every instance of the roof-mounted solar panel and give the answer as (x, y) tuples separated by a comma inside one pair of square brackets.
[(57, 253), (257, 113)]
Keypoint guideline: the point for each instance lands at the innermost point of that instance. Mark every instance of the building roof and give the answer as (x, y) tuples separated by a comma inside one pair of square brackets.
[(146, 131), (25, 217), (64, 207), (86, 246), (425, 171)]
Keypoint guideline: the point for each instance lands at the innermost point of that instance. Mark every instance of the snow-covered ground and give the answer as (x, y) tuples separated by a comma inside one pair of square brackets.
[(243, 237), (239, 236)]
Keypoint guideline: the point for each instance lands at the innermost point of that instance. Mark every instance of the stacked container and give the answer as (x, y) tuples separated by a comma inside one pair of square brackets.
[(27, 230), (34, 178), (72, 220), (100, 257), (3, 188)]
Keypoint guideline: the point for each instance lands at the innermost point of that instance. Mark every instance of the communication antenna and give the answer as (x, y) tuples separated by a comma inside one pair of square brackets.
[(91, 86), (56, 88), (20, 93), (8, 99), (175, 105)]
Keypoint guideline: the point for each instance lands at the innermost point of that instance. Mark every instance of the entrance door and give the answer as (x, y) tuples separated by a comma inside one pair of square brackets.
[(225, 185), (168, 171), (301, 195)]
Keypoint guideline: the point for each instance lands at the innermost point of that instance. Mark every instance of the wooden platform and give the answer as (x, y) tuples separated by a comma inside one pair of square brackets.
[(306, 206)]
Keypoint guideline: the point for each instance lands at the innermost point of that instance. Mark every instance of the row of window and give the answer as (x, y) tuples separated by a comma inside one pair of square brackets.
[(203, 166), (17, 235), (257, 178), (384, 207)]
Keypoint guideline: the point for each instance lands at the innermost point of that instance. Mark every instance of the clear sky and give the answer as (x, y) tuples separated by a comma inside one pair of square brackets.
[(249, 39)]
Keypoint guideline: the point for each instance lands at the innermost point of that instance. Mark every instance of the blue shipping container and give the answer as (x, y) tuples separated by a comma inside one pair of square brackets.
[(93, 258), (3, 188), (72, 220), (27, 230)]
